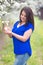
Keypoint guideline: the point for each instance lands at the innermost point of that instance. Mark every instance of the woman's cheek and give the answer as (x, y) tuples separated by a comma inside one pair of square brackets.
[(23, 18)]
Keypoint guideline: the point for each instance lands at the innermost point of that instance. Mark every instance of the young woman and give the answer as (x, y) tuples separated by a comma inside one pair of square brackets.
[(21, 34)]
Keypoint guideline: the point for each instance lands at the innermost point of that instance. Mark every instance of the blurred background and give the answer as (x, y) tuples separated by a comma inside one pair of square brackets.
[(9, 14)]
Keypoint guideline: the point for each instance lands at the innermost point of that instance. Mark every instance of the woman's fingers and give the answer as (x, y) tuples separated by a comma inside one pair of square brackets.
[(7, 30)]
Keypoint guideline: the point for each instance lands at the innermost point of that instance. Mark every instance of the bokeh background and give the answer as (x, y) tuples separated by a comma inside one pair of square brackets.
[(9, 14)]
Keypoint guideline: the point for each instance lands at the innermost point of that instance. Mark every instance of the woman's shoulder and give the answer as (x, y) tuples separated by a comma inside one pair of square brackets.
[(30, 25), (16, 22)]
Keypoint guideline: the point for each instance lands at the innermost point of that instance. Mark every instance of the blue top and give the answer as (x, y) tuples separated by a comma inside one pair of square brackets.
[(19, 46)]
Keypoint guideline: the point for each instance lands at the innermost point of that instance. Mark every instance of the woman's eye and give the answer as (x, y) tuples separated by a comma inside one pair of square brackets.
[(23, 15)]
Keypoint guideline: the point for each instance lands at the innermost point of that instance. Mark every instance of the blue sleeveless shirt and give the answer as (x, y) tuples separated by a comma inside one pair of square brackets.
[(19, 46)]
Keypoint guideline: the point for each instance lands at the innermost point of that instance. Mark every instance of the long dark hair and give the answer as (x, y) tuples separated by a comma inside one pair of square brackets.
[(29, 15)]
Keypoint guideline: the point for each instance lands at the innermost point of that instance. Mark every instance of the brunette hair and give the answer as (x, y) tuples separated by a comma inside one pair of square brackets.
[(29, 15)]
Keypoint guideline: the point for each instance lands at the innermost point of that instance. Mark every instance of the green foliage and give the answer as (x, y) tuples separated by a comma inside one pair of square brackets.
[(0, 26)]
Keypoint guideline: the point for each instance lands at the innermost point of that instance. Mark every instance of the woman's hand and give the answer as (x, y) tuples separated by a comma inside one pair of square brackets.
[(7, 30)]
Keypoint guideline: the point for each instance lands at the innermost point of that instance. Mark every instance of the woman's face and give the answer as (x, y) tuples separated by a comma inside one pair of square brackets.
[(23, 16)]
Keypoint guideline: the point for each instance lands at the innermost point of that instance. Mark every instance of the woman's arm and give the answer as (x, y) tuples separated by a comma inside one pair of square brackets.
[(23, 38), (10, 35)]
